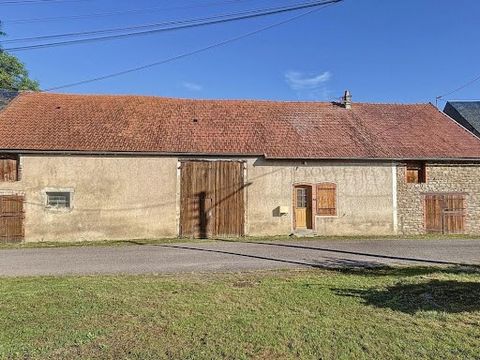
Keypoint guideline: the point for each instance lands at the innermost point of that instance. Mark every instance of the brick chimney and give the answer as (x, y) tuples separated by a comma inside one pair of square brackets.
[(347, 100)]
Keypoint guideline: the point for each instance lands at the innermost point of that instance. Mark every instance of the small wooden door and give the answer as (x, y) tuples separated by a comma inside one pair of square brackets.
[(433, 214), (445, 213), (303, 207), (212, 199), (11, 218)]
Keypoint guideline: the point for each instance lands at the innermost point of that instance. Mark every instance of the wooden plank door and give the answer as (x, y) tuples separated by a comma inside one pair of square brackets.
[(433, 213), (303, 207), (212, 199), (11, 218), (229, 207), (445, 213), (196, 200), (454, 214)]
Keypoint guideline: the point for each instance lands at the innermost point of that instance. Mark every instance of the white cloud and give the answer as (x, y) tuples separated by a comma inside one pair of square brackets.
[(192, 86), (301, 81), (309, 86)]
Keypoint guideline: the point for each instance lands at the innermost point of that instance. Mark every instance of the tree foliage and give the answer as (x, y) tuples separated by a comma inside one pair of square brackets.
[(13, 74)]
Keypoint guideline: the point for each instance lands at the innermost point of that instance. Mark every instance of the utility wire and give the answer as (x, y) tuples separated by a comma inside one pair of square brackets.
[(115, 13), (196, 21), (194, 52), (459, 88), (181, 25), (27, 2)]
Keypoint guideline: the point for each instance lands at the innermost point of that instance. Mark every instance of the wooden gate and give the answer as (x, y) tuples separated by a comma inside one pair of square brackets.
[(11, 218), (445, 213), (211, 199)]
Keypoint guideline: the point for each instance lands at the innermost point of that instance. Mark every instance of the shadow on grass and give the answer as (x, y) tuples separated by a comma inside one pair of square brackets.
[(374, 269), (449, 296), (435, 295)]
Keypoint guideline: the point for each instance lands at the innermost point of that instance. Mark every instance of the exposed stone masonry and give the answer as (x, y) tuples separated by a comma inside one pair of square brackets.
[(441, 178)]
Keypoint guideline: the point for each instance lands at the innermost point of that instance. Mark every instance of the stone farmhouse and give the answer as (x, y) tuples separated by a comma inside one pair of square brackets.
[(99, 167)]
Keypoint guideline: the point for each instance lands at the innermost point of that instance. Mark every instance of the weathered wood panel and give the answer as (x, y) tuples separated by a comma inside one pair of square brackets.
[(454, 214), (212, 199), (416, 173), (433, 214), (445, 213), (412, 176), (11, 219), (8, 168), (326, 199)]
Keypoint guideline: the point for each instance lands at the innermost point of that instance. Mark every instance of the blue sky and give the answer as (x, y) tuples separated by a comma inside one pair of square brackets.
[(382, 50)]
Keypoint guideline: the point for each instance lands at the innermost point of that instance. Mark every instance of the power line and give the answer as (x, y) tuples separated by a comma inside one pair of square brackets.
[(196, 22), (122, 12), (182, 25), (459, 88), (27, 2), (194, 52), (147, 26), (461, 99)]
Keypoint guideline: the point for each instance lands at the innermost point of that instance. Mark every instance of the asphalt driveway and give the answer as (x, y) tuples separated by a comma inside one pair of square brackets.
[(236, 256)]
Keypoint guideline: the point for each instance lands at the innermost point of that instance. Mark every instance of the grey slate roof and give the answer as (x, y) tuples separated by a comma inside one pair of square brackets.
[(466, 113), (5, 97)]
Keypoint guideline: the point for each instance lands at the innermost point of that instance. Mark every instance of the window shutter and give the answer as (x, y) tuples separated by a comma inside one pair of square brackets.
[(326, 199), (416, 173), (8, 168), (412, 176)]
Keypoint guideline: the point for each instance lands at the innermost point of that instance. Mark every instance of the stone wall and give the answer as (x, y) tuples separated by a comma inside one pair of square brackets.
[(441, 178)]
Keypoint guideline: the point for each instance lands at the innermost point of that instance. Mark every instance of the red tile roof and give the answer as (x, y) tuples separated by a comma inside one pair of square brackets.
[(104, 123)]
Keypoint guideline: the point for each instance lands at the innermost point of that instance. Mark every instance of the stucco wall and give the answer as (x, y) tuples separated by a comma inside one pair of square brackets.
[(441, 178), (114, 197), (137, 197), (364, 196)]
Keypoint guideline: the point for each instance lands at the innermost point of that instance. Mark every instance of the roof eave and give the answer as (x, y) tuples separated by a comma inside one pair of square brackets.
[(378, 158), (125, 153), (244, 155)]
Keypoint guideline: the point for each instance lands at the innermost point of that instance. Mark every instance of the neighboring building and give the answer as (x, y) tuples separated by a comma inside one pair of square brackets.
[(90, 167), (6, 97), (466, 113)]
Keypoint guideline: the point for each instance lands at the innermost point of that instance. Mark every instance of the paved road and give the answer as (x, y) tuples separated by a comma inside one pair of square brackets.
[(235, 256)]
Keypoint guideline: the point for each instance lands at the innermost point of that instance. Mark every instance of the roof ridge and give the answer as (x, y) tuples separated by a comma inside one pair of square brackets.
[(238, 100), (186, 99)]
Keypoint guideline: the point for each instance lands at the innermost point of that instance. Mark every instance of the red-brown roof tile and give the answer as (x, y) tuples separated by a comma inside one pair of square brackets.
[(104, 123)]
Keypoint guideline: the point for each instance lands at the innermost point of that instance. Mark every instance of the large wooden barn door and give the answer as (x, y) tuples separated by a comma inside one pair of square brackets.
[(11, 218), (445, 213), (212, 199)]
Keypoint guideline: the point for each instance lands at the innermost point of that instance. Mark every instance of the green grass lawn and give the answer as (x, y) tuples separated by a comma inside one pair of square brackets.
[(57, 244), (401, 313)]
